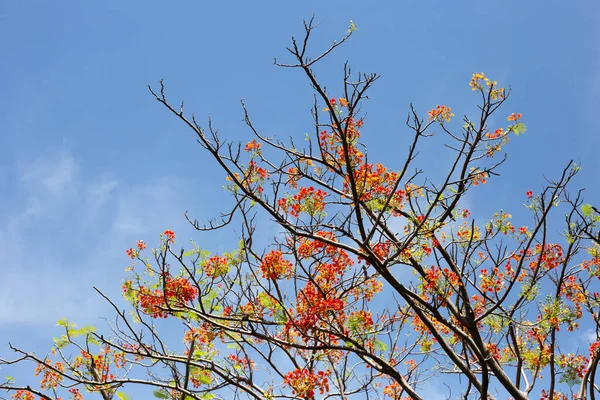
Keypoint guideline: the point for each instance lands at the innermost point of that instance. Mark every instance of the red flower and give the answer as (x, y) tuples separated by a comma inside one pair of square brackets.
[(131, 253), (170, 235), (332, 101), (529, 194)]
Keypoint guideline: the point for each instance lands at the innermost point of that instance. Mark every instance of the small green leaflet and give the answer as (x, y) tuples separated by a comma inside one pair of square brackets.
[(587, 210), (519, 128), (204, 379), (379, 345), (160, 394), (124, 396)]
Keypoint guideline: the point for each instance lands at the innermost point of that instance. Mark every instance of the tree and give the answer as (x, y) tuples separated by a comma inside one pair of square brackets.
[(378, 281)]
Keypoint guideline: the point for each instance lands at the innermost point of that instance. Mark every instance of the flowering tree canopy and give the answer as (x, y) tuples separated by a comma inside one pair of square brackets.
[(378, 280)]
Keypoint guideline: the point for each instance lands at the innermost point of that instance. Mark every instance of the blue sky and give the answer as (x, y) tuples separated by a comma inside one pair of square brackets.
[(90, 162)]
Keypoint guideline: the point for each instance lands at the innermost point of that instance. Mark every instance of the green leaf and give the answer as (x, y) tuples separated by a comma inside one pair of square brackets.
[(587, 209), (123, 396), (379, 345), (189, 253), (160, 394), (61, 342), (519, 128), (206, 380), (468, 125), (570, 239), (64, 323)]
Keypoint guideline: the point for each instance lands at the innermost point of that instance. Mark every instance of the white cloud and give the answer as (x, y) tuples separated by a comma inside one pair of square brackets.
[(589, 336), (55, 173), (150, 208), (69, 232), (100, 191), (42, 296)]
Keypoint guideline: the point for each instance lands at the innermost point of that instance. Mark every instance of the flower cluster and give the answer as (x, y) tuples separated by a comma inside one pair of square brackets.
[(203, 334), (438, 280), (51, 377), (253, 147), (478, 80), (308, 200), (493, 281), (394, 391), (76, 394), (241, 362), (100, 364), (514, 117), (545, 395), (216, 266), (133, 253), (315, 306), (274, 266), (321, 302), (374, 184), (360, 321), (169, 236), (573, 367), (304, 382), (549, 257), (177, 292), (253, 180), (23, 395), (440, 114), (340, 145), (478, 177)]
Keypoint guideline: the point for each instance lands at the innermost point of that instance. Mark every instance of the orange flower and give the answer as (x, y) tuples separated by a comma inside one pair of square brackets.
[(475, 84), (440, 114), (23, 395), (514, 117), (477, 81), (253, 145)]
